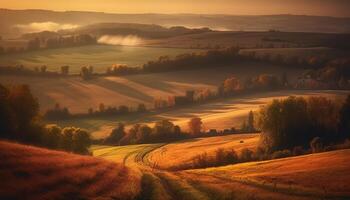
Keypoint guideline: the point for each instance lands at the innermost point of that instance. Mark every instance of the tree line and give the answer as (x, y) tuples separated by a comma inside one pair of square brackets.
[(324, 71), (38, 43), (20, 121), (167, 131)]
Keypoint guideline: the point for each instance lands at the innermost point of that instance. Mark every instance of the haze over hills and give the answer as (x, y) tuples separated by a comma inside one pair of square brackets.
[(16, 22)]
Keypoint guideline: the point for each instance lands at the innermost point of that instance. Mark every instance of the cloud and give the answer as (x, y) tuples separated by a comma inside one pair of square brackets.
[(44, 26), (129, 40)]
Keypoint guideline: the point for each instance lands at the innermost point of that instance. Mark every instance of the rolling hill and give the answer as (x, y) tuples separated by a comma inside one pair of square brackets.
[(34, 173), (315, 176)]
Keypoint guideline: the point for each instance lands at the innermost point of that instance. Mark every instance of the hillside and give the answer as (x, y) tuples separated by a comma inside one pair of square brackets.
[(34, 173), (134, 89), (308, 177), (316, 176)]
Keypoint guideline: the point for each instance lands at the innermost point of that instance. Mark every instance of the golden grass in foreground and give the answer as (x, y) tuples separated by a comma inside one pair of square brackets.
[(315, 176), (34, 173), (176, 154)]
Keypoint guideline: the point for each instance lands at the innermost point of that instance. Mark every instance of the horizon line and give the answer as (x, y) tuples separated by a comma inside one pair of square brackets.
[(175, 13)]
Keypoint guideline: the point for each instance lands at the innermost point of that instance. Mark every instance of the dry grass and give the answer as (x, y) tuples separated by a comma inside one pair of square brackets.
[(176, 154), (324, 175), (34, 173)]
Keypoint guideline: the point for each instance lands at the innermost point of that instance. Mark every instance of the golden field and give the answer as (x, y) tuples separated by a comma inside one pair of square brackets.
[(316, 176), (34, 173), (175, 154)]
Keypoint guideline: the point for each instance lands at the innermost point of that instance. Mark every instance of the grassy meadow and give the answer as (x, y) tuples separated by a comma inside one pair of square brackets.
[(98, 56)]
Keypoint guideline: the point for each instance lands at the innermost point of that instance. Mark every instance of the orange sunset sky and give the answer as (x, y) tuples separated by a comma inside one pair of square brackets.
[(339, 8)]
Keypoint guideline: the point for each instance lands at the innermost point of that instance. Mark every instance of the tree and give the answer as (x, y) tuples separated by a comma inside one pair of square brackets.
[(141, 108), (232, 85), (82, 141), (285, 124), (250, 125), (195, 126), (52, 138), (102, 108), (65, 70), (144, 133), (86, 72), (67, 138), (24, 106), (116, 135)]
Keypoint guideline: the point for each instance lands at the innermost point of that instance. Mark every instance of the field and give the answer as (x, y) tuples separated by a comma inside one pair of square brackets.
[(98, 56), (315, 176), (79, 95), (248, 39), (222, 114), (167, 156), (33, 173)]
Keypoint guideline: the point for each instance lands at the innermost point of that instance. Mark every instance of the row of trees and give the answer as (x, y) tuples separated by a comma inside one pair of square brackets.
[(20, 121), (63, 113), (69, 139), (59, 42), (37, 71), (166, 131), (230, 87), (162, 131)]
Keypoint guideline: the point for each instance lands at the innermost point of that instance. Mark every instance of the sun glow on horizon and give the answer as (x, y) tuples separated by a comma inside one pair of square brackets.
[(235, 7)]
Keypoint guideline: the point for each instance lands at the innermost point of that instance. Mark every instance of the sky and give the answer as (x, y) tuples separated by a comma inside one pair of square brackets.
[(338, 8)]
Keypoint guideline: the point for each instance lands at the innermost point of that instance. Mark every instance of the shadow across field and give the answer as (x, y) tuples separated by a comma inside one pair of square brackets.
[(220, 114)]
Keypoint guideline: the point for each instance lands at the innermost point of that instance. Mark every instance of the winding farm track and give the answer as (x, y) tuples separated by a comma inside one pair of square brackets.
[(196, 184)]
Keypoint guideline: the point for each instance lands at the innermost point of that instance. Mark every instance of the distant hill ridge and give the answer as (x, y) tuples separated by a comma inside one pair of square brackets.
[(294, 23)]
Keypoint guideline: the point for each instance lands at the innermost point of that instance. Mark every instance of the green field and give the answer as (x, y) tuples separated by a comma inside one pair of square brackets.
[(98, 56)]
